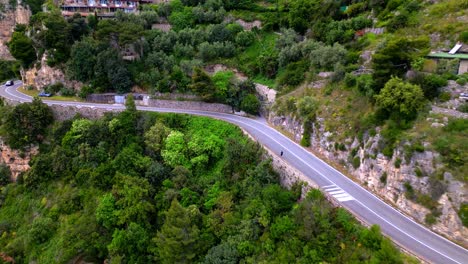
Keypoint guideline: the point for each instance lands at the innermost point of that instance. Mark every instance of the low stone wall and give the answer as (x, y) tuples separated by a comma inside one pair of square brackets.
[(62, 113), (191, 105)]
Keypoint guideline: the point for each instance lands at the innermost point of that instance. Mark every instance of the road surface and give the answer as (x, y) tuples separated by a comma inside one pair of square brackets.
[(366, 206)]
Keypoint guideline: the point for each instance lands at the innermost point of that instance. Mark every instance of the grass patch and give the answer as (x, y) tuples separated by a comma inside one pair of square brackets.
[(35, 92)]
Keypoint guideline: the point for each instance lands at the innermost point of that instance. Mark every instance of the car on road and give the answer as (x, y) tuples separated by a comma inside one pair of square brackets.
[(9, 83), (44, 94)]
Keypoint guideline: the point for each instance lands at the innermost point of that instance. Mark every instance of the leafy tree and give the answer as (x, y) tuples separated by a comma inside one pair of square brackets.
[(178, 240), (41, 229), (250, 104), (394, 58), (130, 243), (9, 69), (133, 200), (156, 136), (327, 57), (78, 27), (430, 84), (56, 38), (26, 123), (5, 175), (203, 85), (82, 60), (400, 99), (21, 47), (222, 253), (111, 69), (174, 150), (106, 212), (307, 107)]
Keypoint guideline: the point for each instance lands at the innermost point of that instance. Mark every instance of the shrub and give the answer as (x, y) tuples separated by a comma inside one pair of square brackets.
[(305, 141), (67, 92), (418, 172), (409, 191), (365, 84), (464, 36), (445, 96), (463, 213), (85, 91), (294, 74), (4, 174), (383, 178), (356, 162), (430, 219), (463, 108), (350, 80), (397, 163), (461, 81), (250, 104)]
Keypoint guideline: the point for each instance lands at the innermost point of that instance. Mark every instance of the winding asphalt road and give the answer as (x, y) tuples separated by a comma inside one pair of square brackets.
[(366, 206)]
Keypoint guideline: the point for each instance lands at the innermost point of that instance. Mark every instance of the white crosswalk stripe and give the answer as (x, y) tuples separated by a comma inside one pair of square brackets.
[(337, 193)]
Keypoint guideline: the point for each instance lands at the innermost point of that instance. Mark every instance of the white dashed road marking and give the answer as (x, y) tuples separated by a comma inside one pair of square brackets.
[(337, 193)]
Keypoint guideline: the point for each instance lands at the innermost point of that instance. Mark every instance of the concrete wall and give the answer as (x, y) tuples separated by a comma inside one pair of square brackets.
[(463, 66)]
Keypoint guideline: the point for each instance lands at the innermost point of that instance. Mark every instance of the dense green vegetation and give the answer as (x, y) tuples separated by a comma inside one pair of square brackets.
[(378, 82), (145, 187)]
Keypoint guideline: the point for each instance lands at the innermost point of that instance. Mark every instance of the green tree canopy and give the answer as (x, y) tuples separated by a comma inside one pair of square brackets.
[(400, 99), (394, 58), (178, 240), (26, 123), (21, 47)]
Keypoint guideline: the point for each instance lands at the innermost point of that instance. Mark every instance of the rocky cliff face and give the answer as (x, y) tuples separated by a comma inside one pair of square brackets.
[(10, 16), (389, 177), (17, 161), (44, 75)]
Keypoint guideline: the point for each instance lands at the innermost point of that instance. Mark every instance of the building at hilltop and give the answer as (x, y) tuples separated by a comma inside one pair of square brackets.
[(100, 8)]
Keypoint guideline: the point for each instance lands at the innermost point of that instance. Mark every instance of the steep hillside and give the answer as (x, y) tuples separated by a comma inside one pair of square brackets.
[(163, 188)]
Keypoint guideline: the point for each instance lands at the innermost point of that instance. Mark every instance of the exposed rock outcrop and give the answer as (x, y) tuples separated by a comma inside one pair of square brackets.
[(12, 15), (46, 75), (16, 160), (387, 176)]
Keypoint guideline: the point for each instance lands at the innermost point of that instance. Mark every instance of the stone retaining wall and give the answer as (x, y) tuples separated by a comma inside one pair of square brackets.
[(191, 105)]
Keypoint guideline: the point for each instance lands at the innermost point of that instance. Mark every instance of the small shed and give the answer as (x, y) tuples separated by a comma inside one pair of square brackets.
[(458, 52), (463, 59)]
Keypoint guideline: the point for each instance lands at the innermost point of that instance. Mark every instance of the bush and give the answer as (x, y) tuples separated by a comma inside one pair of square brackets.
[(54, 88), (464, 36), (294, 74), (463, 108), (418, 172), (461, 81), (250, 104), (409, 191), (445, 96), (383, 178), (67, 92), (305, 141), (463, 213), (430, 84), (350, 80), (397, 163), (430, 219), (5, 175), (356, 162), (85, 91)]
